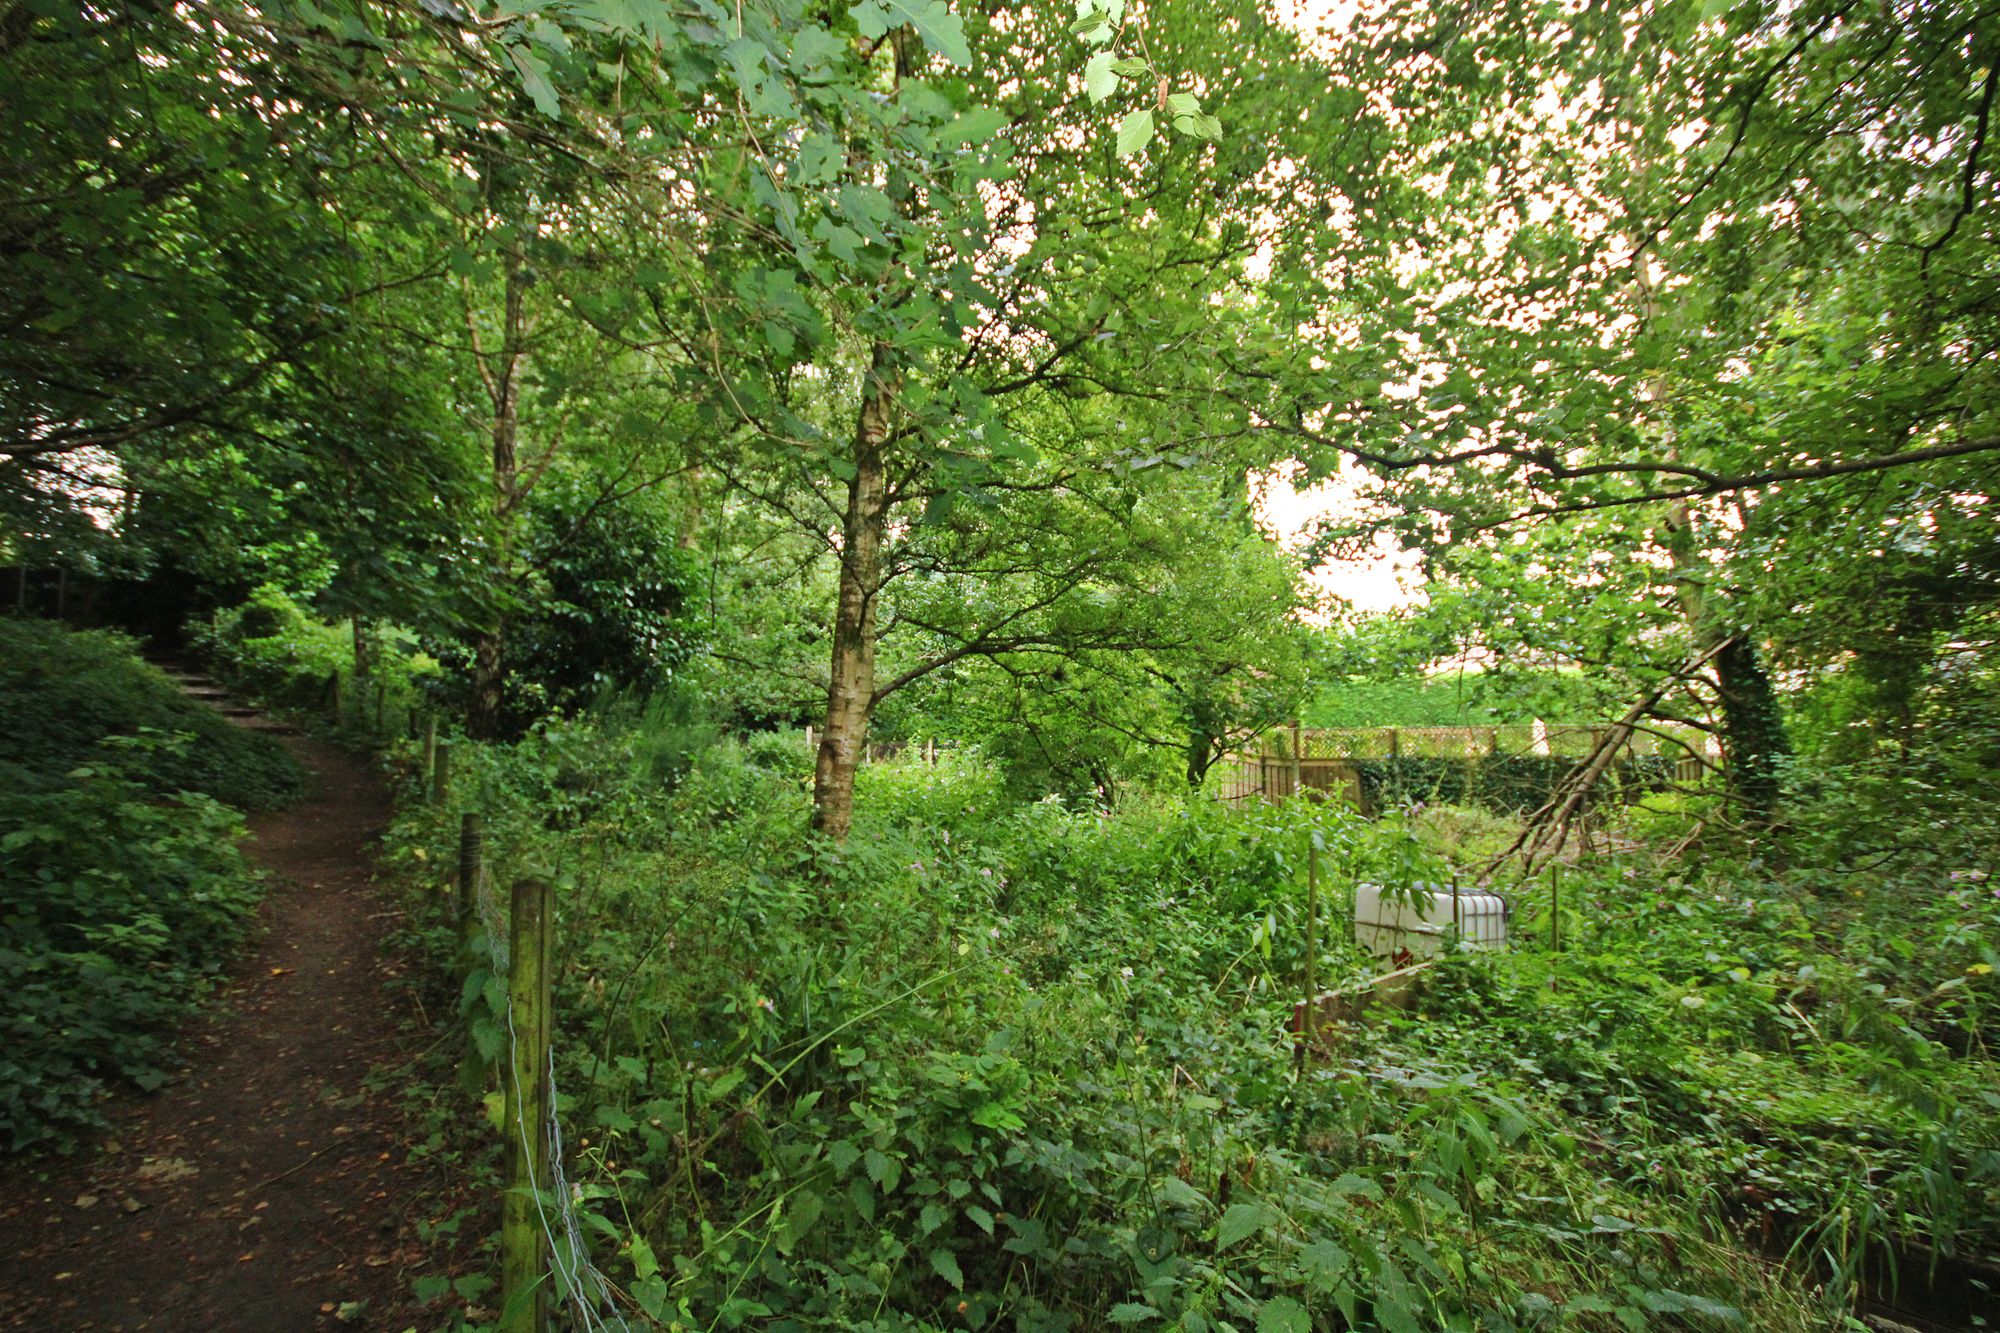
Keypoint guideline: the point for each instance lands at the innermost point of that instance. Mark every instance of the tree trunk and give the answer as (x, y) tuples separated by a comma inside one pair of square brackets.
[(850, 693), (482, 714), (364, 648), (1203, 749), (1754, 743), (503, 385), (1753, 731)]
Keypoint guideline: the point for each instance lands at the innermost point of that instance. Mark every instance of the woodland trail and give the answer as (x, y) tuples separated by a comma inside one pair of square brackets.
[(265, 1186)]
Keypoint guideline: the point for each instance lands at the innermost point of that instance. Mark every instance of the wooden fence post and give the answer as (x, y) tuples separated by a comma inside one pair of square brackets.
[(524, 1297), (430, 747), (441, 774), (471, 856), (1298, 759), (1395, 743)]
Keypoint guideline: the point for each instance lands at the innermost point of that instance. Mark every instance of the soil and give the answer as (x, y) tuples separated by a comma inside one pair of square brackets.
[(266, 1187)]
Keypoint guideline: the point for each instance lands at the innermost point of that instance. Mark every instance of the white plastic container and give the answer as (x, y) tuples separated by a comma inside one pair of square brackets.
[(1417, 926)]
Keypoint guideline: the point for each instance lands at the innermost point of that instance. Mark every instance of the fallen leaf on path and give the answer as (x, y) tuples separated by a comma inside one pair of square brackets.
[(164, 1169)]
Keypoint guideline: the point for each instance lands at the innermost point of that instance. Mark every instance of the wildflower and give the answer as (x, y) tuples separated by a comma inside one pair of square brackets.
[(1125, 972), (993, 934)]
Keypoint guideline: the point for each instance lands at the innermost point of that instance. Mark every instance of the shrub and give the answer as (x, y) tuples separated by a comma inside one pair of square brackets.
[(116, 907), (994, 1064), (63, 693)]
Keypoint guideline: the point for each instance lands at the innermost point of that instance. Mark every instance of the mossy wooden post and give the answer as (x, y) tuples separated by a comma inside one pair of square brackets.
[(430, 747), (441, 773), (471, 853), (524, 1300)]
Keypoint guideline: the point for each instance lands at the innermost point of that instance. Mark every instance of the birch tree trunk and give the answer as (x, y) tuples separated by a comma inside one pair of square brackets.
[(850, 694)]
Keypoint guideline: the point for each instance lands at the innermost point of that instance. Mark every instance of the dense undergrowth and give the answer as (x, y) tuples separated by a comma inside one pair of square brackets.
[(64, 694), (271, 650), (122, 892), (1015, 1065)]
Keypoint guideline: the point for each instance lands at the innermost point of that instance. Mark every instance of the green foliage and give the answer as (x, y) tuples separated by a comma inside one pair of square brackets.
[(64, 694), (1418, 702), (1515, 782), (605, 615), (1031, 1061), (273, 649), (121, 889), (269, 647)]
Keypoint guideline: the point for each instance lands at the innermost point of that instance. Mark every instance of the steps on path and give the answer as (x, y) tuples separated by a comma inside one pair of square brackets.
[(198, 684)]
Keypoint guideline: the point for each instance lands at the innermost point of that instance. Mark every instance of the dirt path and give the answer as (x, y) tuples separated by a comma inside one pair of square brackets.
[(264, 1188)]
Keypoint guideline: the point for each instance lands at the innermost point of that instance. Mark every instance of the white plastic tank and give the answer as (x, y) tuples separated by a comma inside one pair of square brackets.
[(1417, 924)]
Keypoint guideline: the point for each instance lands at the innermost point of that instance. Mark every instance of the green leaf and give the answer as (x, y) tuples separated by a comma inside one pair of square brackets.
[(1239, 1222), (535, 81), (1099, 79), (1135, 131), (1323, 1261), (976, 125), (1131, 1312), (942, 31), (1282, 1314), (945, 1265), (1131, 69)]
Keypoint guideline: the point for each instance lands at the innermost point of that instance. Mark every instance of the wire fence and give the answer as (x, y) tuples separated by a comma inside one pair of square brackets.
[(576, 1281)]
